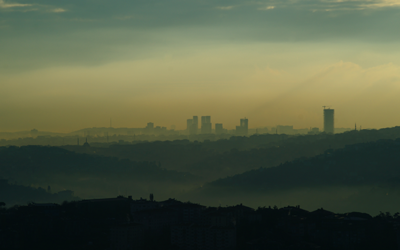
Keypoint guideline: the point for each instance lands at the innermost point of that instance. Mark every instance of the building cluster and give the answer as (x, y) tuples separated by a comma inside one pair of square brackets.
[(193, 131), (123, 223), (192, 126), (150, 129)]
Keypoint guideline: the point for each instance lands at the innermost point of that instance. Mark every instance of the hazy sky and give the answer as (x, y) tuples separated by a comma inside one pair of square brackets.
[(70, 64)]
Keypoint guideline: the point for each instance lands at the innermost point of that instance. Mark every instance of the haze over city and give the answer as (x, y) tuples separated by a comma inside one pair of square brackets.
[(199, 124), (69, 65)]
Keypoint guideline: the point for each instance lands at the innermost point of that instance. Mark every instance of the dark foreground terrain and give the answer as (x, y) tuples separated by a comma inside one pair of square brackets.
[(353, 171), (346, 177), (124, 223)]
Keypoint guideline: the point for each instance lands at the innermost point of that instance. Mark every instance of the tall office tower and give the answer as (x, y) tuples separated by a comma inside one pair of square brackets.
[(189, 124), (195, 124), (219, 129), (205, 119), (192, 125), (206, 125), (329, 120), (149, 129), (243, 129), (150, 125), (244, 123)]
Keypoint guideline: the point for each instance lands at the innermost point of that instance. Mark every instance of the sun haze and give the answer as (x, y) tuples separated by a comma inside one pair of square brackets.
[(70, 65)]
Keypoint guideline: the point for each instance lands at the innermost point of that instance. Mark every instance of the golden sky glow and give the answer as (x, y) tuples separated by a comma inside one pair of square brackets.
[(66, 67)]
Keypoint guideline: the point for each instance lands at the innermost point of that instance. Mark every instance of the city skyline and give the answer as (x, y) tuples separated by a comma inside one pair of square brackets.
[(189, 123), (71, 65), (192, 126), (249, 124)]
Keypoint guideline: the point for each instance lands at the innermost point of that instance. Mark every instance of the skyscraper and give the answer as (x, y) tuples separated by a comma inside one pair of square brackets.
[(150, 125), (243, 129), (192, 125), (189, 124), (244, 123), (195, 124), (329, 120), (219, 129), (149, 129), (206, 125)]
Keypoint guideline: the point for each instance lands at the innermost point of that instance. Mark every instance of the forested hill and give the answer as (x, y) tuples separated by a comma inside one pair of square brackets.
[(37, 161), (13, 194), (87, 175), (219, 159), (366, 164), (361, 177)]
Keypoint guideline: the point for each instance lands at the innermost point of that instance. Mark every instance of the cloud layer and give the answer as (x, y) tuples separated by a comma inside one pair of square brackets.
[(4, 5), (276, 62), (28, 7)]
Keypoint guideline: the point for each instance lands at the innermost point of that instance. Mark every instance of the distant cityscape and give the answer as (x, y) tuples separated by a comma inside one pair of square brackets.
[(261, 169), (194, 132), (192, 127)]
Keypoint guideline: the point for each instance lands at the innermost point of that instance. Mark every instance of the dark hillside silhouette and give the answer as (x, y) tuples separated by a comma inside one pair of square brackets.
[(363, 174), (259, 165), (87, 175), (112, 224), (13, 194), (222, 158), (376, 163)]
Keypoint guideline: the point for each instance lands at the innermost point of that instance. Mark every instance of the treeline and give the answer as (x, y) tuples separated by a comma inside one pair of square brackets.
[(87, 175), (360, 177), (42, 161), (374, 163), (222, 158), (12, 194), (172, 168)]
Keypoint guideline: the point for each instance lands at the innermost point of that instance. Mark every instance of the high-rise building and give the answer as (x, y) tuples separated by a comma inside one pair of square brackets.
[(195, 124), (192, 125), (206, 125), (244, 123), (189, 124), (219, 129), (243, 129), (329, 120), (150, 125), (205, 119), (149, 128)]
